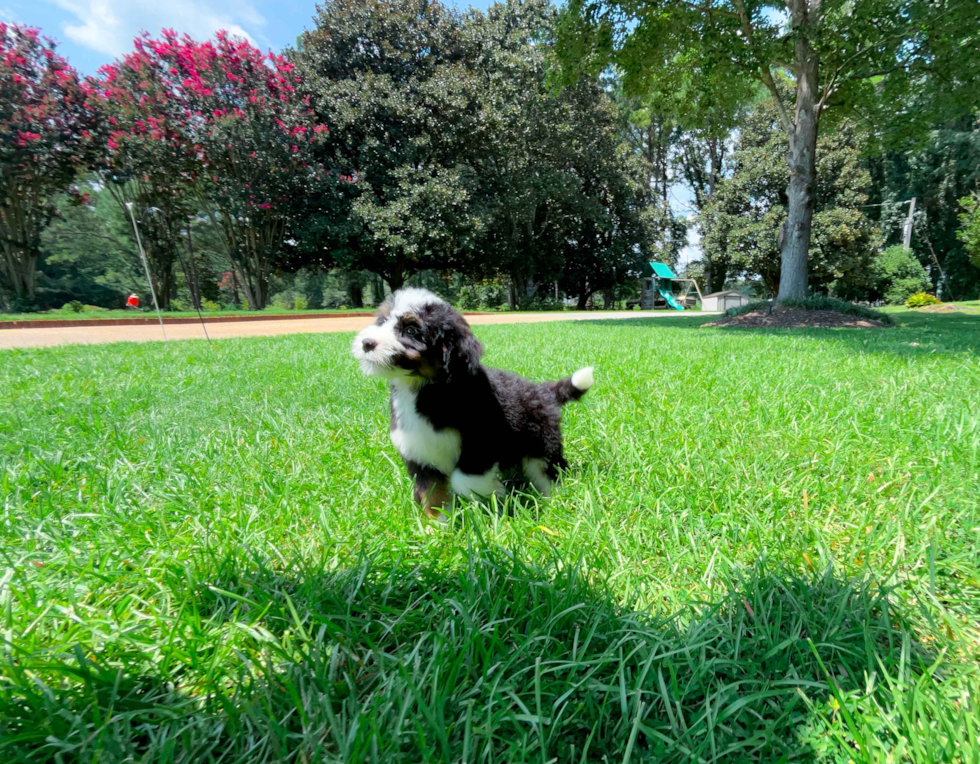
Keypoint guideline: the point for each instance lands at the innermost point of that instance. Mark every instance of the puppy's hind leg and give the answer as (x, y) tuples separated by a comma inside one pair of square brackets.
[(483, 484), (536, 470)]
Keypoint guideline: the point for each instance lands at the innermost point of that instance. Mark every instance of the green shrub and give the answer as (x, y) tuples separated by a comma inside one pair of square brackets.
[(899, 274), (283, 300), (539, 303), (921, 299), (73, 307), (969, 234), (300, 302), (94, 309), (209, 305), (482, 296), (178, 305)]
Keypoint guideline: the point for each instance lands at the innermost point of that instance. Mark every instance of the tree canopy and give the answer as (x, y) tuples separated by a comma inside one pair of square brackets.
[(46, 134), (743, 218), (514, 155), (838, 56)]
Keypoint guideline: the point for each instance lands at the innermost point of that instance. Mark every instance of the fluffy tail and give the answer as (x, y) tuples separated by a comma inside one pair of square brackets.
[(574, 387)]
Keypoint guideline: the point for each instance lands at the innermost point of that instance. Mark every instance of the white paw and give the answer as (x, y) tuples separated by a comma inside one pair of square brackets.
[(483, 485), (535, 470)]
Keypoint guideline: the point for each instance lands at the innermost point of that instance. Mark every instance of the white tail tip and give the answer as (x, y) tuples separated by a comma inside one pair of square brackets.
[(582, 379)]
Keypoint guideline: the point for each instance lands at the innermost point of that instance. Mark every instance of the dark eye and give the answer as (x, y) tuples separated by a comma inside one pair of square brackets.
[(412, 331)]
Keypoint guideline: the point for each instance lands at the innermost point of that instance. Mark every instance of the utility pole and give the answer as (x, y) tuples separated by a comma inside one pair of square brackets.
[(146, 267), (907, 228)]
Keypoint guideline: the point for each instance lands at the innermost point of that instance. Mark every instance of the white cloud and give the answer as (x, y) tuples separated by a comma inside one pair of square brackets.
[(109, 26)]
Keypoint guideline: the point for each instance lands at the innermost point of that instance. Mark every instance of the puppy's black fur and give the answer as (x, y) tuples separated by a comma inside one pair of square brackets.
[(502, 419)]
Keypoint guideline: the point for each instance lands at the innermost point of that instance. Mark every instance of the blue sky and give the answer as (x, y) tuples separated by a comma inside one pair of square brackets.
[(91, 33)]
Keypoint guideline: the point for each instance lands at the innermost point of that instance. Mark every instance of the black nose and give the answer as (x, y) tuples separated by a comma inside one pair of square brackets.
[(368, 345)]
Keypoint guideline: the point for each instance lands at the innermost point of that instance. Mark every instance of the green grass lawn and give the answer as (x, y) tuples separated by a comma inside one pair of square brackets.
[(767, 549)]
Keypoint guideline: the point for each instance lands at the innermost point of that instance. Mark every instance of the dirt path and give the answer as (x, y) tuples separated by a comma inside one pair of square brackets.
[(44, 337)]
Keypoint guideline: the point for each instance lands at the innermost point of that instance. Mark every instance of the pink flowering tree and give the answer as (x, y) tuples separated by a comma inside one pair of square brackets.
[(223, 124), (46, 125), (149, 160)]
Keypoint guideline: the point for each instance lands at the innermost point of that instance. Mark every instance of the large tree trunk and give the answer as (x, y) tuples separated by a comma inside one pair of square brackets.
[(234, 286), (802, 167), (715, 275), (253, 273), (262, 291), (355, 290), (395, 278), (20, 269), (164, 284), (190, 272), (248, 286)]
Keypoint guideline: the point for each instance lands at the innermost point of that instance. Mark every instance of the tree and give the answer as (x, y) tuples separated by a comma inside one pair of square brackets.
[(224, 123), (969, 234), (395, 81), (838, 55), (46, 125), (651, 129), (88, 254), (941, 170), (149, 159), (607, 242), (743, 220), (528, 193), (562, 197)]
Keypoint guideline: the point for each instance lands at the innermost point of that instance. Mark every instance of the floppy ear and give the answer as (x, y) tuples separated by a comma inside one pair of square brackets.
[(461, 351)]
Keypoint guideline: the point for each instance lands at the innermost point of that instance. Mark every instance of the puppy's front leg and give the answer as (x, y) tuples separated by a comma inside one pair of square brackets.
[(431, 490)]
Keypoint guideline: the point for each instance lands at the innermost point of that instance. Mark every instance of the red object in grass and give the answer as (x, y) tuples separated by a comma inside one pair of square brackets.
[(132, 301)]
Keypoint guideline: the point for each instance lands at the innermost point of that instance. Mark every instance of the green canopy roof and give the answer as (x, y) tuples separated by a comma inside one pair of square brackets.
[(660, 270)]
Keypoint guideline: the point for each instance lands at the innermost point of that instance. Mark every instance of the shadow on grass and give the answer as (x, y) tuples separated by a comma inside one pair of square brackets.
[(914, 334), (497, 660)]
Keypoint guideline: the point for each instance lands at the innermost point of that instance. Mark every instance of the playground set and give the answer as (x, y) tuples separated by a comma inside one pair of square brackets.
[(658, 289)]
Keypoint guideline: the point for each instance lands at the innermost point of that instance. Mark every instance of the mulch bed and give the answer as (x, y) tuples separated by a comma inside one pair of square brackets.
[(946, 308), (797, 318)]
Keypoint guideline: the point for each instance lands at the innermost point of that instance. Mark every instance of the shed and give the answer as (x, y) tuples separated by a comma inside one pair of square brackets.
[(722, 301)]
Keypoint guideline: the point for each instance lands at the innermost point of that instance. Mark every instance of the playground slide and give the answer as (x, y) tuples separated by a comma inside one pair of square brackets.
[(666, 294)]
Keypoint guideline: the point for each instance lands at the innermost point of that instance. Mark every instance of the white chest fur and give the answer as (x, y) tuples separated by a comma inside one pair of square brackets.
[(416, 439)]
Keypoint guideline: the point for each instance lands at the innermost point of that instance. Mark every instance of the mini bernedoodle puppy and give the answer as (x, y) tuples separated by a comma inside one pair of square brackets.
[(455, 422)]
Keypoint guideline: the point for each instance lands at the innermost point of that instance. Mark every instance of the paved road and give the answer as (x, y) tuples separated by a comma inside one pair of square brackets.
[(42, 337)]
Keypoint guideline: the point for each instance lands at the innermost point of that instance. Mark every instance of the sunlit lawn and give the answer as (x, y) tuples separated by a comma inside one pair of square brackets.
[(767, 549)]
